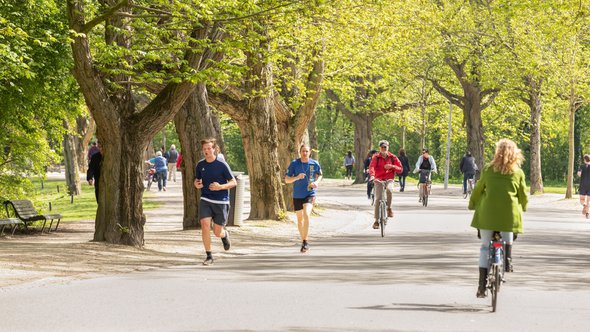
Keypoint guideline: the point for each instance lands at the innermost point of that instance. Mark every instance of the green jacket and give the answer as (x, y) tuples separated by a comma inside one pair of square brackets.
[(499, 200)]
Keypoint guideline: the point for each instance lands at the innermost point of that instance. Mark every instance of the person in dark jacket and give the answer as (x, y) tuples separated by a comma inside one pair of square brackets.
[(584, 190), (406, 169), (468, 167), (367, 175), (93, 173)]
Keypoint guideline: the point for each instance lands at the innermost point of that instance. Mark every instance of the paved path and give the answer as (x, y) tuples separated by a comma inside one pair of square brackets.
[(420, 277)]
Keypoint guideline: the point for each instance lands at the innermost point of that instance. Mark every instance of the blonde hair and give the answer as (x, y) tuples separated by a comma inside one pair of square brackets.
[(507, 158)]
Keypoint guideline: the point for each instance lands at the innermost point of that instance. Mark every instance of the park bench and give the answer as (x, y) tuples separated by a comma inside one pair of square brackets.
[(9, 221), (24, 210)]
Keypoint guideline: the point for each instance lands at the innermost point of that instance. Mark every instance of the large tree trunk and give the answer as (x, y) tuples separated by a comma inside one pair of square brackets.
[(474, 125), (536, 106), (71, 163), (194, 122), (120, 217)]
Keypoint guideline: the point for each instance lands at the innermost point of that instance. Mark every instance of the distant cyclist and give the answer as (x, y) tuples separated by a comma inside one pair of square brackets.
[(468, 167), (499, 198), (425, 165), (384, 165)]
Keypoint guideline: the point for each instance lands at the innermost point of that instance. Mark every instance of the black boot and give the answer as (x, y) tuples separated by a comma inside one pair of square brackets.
[(481, 289), (508, 258)]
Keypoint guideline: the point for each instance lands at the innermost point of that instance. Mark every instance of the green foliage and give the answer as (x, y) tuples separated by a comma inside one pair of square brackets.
[(36, 88)]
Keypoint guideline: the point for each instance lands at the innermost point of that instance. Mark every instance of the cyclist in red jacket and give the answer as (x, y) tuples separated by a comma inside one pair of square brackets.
[(384, 165)]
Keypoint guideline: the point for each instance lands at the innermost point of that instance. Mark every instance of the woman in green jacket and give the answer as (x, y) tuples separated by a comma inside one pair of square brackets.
[(499, 198)]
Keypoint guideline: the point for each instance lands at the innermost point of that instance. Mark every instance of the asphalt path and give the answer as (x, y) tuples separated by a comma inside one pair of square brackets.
[(421, 276)]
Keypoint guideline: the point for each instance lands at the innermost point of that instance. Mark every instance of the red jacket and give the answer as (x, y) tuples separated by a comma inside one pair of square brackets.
[(377, 166)]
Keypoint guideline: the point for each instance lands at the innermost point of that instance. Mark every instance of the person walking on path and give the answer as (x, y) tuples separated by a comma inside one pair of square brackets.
[(305, 174), (403, 159), (584, 190), (161, 170), (93, 173), (172, 158), (349, 164), (214, 178), (499, 199), (468, 167), (384, 166), (367, 174)]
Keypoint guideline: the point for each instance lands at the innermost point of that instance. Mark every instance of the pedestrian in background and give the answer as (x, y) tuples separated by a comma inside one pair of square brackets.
[(349, 164), (403, 159), (161, 170), (584, 190), (172, 159)]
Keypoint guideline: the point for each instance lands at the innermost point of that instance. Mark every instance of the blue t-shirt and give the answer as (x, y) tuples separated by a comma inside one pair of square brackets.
[(160, 163), (311, 170), (215, 171)]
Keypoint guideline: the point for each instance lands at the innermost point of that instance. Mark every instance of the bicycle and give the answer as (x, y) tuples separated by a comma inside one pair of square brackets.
[(495, 267), (382, 217), (470, 185), (150, 176), (424, 186)]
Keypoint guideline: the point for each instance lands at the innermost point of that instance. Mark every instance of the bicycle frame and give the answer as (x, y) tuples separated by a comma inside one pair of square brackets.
[(383, 204), (424, 188)]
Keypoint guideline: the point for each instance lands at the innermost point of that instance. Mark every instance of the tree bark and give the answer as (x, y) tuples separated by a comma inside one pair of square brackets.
[(533, 99), (313, 138), (85, 128), (571, 152), (71, 163), (194, 122)]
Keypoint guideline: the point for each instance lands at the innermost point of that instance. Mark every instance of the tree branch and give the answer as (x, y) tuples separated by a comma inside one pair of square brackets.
[(453, 98), (97, 20)]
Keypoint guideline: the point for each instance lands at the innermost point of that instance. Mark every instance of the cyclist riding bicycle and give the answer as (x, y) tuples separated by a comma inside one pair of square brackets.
[(468, 167), (384, 165), (499, 199), (424, 165)]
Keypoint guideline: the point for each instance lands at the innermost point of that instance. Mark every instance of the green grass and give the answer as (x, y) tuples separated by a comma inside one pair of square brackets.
[(83, 206)]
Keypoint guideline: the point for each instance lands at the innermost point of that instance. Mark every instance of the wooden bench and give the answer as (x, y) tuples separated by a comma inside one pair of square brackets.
[(24, 210), (9, 221)]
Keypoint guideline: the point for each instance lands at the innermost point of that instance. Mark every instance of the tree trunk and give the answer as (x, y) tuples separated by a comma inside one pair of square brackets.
[(571, 152), (85, 128), (194, 122), (313, 138), (474, 125), (260, 137), (71, 164), (363, 135), (535, 104)]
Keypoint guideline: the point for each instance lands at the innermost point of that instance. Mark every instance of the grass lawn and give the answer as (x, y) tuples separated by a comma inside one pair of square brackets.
[(83, 207)]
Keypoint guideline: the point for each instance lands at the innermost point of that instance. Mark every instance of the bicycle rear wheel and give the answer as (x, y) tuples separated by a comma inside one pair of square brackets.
[(425, 200), (495, 282)]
